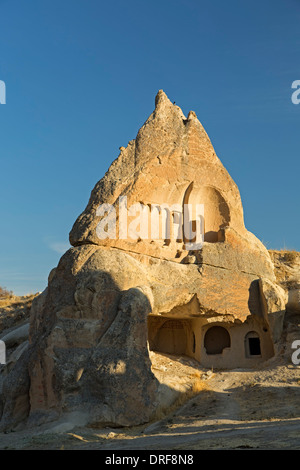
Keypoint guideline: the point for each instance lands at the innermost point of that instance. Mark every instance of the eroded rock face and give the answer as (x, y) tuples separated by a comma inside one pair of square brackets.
[(172, 161), (287, 271), (110, 300)]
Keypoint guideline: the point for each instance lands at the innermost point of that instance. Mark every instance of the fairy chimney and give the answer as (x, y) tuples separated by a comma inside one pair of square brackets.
[(136, 280)]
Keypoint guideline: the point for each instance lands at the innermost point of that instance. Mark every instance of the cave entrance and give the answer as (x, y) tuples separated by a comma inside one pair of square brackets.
[(170, 336), (216, 339)]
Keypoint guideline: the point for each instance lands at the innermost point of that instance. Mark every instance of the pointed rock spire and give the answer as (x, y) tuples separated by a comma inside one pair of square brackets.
[(161, 98)]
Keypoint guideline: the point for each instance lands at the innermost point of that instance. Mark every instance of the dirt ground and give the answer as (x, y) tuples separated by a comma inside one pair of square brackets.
[(233, 409)]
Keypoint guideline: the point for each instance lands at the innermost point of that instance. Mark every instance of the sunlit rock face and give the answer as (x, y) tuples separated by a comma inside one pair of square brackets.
[(135, 280)]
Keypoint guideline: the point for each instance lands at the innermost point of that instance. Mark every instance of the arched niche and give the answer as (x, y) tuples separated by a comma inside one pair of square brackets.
[(171, 337), (216, 339), (216, 210)]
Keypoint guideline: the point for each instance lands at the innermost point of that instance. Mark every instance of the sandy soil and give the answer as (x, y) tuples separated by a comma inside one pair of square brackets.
[(236, 409)]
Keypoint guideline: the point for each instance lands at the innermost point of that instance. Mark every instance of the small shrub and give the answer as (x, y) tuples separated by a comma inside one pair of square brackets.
[(4, 293), (290, 256), (286, 255)]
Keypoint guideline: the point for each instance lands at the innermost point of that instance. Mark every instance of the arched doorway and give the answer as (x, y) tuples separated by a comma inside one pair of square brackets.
[(216, 339), (171, 337)]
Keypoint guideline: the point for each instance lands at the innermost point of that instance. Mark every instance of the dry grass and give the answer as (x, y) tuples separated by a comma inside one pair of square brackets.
[(180, 374), (285, 255), (6, 297), (196, 386), (289, 255), (5, 294)]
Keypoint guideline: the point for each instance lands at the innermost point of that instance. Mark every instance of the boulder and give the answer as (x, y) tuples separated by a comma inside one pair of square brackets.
[(16, 336)]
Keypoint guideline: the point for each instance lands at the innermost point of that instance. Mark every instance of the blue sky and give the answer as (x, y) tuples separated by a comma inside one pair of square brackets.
[(81, 78)]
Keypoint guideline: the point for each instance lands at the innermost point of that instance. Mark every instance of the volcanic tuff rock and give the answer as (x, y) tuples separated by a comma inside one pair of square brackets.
[(110, 300), (287, 271)]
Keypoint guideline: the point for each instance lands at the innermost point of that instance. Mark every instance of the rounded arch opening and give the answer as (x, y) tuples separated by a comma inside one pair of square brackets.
[(216, 339), (171, 337), (216, 209)]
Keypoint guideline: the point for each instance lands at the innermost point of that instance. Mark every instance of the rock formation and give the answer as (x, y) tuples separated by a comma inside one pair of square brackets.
[(287, 271), (112, 299)]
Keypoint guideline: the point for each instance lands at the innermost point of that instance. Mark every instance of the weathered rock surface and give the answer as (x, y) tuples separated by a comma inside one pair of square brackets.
[(110, 300), (287, 271), (16, 336)]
